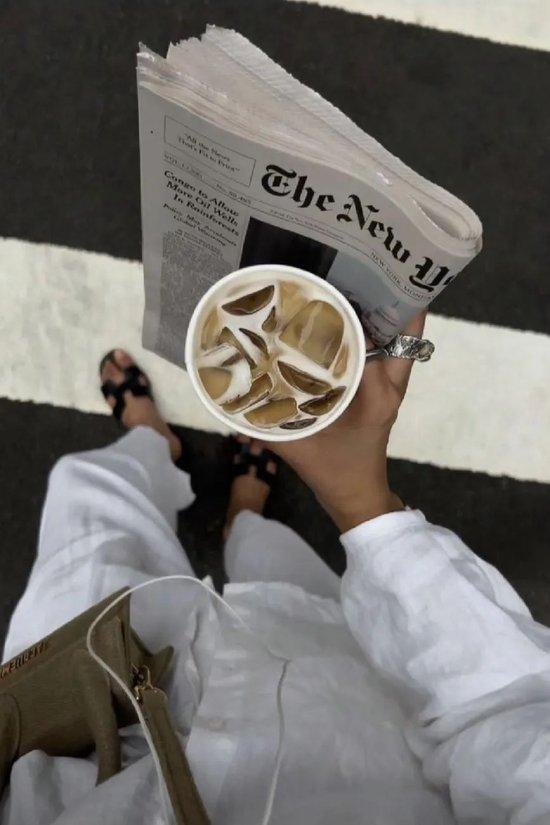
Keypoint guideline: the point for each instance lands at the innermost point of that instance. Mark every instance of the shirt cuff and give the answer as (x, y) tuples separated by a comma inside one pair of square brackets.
[(387, 526)]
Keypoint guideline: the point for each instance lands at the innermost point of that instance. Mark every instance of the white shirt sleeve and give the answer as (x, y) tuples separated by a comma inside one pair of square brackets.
[(470, 664)]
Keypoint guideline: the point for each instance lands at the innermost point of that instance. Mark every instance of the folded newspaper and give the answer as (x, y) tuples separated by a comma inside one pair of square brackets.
[(241, 164)]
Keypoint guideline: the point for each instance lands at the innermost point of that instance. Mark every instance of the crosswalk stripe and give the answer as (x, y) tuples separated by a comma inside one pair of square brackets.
[(481, 404), (502, 21)]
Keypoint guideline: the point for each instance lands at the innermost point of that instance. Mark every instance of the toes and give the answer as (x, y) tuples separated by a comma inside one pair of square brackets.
[(136, 409), (114, 367), (122, 358), (259, 447), (125, 360), (256, 448), (110, 372)]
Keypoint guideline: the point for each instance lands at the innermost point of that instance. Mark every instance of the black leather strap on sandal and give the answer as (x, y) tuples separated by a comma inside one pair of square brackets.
[(246, 460), (132, 375)]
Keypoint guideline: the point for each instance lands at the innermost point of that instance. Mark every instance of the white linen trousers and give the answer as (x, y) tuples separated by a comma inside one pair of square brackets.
[(418, 689)]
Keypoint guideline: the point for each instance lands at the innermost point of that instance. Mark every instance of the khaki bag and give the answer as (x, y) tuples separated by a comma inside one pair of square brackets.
[(55, 697)]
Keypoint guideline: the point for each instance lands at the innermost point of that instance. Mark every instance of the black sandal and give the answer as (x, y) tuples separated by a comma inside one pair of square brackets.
[(246, 460), (131, 382)]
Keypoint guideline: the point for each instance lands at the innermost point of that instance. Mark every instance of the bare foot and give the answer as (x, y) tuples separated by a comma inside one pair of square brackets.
[(247, 491), (140, 410)]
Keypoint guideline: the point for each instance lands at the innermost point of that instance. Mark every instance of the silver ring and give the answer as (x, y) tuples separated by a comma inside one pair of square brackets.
[(409, 346), (404, 346)]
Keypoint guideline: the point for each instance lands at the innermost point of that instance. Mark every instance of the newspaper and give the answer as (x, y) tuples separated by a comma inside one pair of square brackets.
[(241, 164)]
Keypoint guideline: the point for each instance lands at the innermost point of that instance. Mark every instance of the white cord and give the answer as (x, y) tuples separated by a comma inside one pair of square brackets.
[(279, 757), (124, 687)]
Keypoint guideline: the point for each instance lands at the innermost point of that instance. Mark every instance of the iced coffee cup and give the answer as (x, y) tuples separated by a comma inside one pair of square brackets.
[(275, 352)]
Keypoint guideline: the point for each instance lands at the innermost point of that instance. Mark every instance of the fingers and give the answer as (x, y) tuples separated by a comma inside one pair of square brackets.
[(398, 370), (416, 324), (374, 374)]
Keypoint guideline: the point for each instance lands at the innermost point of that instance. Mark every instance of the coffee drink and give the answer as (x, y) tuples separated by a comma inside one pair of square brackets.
[(276, 354)]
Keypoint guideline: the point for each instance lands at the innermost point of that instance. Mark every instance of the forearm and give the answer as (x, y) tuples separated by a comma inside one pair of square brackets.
[(471, 664), (433, 617), (371, 498), (351, 491)]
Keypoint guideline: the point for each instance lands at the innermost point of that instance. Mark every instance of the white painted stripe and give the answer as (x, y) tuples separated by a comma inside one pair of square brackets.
[(482, 403), (525, 23), (62, 310)]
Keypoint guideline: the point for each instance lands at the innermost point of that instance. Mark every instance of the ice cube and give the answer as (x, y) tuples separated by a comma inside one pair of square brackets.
[(316, 331), (210, 331), (224, 360), (260, 389), (215, 381), (241, 382), (228, 337), (232, 360), (321, 406), (291, 299), (273, 413), (299, 424), (301, 380), (222, 355), (271, 321), (257, 340), (341, 362), (250, 303)]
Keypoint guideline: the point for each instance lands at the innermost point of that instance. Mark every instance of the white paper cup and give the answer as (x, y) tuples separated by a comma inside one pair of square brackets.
[(251, 275)]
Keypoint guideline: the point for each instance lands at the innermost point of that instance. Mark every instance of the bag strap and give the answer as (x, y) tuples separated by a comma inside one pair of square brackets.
[(184, 796)]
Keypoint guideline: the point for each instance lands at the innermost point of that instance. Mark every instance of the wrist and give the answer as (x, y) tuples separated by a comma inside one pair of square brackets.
[(359, 509), (361, 490)]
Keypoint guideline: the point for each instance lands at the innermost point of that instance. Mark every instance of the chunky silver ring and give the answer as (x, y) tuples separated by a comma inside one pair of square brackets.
[(404, 346)]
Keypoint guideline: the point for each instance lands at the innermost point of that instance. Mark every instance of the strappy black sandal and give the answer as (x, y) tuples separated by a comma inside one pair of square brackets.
[(244, 459), (131, 382)]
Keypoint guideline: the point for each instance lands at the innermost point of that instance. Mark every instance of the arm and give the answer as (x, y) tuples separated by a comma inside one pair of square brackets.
[(471, 666)]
